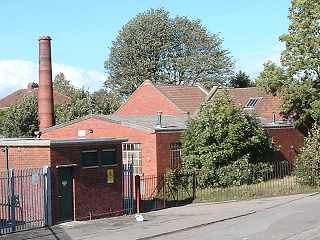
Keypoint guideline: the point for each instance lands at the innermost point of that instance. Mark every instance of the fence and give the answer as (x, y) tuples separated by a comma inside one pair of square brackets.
[(127, 189), (159, 192), (24, 199)]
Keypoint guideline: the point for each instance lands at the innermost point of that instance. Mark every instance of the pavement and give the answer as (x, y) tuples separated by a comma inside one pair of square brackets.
[(289, 217)]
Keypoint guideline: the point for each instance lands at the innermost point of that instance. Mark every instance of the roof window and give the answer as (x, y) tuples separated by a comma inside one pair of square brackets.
[(252, 102)]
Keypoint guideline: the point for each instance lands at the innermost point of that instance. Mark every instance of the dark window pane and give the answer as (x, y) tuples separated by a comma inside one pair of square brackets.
[(89, 158), (108, 157)]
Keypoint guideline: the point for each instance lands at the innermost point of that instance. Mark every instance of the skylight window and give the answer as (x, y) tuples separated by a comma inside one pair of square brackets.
[(251, 103)]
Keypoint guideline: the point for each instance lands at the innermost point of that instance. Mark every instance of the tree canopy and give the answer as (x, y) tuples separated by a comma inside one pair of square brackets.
[(83, 103), (63, 86), (301, 55), (223, 138), (240, 80), (272, 78), (301, 62), (153, 46), (20, 120)]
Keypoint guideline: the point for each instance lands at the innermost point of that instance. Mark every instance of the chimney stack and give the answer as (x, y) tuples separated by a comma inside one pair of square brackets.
[(45, 92), (159, 119)]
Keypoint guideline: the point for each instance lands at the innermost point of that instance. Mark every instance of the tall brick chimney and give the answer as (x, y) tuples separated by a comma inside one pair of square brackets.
[(45, 93)]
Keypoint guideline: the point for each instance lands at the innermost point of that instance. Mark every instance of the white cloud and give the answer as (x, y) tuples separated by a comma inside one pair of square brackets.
[(16, 74)]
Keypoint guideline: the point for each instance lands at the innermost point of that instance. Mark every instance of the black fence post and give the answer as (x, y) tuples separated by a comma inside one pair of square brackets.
[(13, 202), (194, 186), (164, 191)]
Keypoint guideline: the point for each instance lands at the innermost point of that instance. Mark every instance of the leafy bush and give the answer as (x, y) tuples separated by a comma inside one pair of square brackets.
[(308, 161), (226, 145)]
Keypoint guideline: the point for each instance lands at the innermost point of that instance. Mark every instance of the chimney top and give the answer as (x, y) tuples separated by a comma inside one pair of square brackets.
[(33, 85), (44, 38)]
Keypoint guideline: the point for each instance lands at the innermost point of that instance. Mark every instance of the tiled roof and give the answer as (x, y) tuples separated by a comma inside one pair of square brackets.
[(265, 106), (186, 98), (20, 94)]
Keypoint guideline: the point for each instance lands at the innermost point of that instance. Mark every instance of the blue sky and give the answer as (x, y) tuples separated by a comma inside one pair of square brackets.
[(83, 32)]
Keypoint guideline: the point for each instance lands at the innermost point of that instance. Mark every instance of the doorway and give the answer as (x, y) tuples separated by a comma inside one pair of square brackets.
[(65, 194)]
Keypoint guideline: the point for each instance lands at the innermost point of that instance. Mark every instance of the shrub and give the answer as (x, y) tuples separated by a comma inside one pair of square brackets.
[(226, 145), (308, 161)]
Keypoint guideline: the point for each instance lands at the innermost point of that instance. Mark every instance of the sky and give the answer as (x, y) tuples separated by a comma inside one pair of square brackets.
[(83, 31)]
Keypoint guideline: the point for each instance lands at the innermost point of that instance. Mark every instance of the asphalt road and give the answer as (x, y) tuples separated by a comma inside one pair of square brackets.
[(295, 220), (281, 218)]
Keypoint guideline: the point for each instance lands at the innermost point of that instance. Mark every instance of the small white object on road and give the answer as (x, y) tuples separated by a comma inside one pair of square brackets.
[(139, 218)]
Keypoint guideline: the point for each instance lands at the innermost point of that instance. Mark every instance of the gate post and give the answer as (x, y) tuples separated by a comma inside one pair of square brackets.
[(13, 201), (137, 193), (194, 186), (47, 195)]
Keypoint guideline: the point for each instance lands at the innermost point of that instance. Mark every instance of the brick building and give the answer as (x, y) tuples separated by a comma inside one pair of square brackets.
[(152, 146), (79, 173), (152, 119), (268, 110)]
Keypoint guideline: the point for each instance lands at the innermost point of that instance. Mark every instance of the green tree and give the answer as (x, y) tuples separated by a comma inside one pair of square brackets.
[(20, 120), (240, 80), (83, 103), (308, 161), (153, 46), (272, 79), (301, 55), (301, 62), (222, 140), (63, 86), (108, 102)]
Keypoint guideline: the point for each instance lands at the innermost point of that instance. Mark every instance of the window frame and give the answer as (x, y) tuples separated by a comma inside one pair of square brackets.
[(90, 151), (136, 154), (109, 150), (252, 102), (175, 154)]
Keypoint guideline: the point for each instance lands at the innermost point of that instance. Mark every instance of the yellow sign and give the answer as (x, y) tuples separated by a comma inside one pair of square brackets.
[(110, 176)]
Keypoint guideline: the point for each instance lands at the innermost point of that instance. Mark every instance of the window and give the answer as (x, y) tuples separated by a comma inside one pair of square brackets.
[(131, 154), (175, 155), (108, 157), (89, 158), (252, 103)]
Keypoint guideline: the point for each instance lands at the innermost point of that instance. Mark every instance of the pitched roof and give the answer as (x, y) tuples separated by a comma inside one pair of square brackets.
[(169, 123), (19, 95), (266, 104), (186, 98)]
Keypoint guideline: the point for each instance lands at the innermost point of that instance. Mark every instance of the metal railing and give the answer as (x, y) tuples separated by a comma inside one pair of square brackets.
[(24, 199), (159, 192)]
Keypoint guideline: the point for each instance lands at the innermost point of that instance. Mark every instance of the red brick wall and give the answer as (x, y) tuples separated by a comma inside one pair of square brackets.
[(26, 157), (102, 128), (163, 149), (289, 140), (93, 196), (147, 100)]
